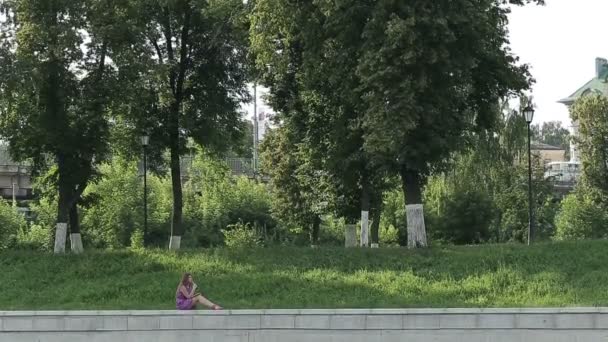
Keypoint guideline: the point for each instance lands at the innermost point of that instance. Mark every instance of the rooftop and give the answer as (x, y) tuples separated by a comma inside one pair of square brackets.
[(597, 85), (536, 146)]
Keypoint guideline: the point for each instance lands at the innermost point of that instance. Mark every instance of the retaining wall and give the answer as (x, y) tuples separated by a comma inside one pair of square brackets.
[(378, 325)]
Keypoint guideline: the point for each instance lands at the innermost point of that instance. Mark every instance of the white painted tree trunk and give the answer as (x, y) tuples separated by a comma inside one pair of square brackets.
[(364, 228), (175, 242), (61, 231), (76, 243), (350, 235), (416, 230)]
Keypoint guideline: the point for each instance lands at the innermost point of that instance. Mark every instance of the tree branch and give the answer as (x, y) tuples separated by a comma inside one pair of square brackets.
[(183, 58), (159, 53), (168, 38)]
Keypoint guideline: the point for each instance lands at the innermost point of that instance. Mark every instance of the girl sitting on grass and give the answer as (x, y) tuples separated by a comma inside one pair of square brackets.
[(186, 298)]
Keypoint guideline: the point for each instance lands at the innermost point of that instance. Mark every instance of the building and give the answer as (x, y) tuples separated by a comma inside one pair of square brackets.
[(597, 85), (548, 153), (15, 181)]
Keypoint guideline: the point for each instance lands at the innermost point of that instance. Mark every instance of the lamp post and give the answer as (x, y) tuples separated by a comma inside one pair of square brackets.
[(529, 115), (145, 140)]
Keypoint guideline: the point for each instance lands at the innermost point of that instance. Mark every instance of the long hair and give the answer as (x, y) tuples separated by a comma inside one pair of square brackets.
[(185, 278)]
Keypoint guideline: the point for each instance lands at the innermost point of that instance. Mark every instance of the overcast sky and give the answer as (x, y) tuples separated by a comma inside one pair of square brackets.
[(560, 42)]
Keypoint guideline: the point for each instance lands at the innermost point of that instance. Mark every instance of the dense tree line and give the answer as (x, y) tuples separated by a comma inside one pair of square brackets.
[(376, 102)]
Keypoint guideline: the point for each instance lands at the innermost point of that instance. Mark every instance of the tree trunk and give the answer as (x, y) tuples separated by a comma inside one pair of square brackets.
[(314, 231), (75, 237), (63, 209), (176, 183), (375, 227), (176, 81), (365, 204), (412, 191)]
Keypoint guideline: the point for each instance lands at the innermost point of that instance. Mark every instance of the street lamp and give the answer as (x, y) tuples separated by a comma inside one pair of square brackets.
[(145, 140), (529, 116)]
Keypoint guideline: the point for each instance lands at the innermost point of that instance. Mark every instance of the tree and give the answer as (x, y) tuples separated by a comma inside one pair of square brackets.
[(308, 68), (480, 197), (299, 190), (431, 73), (187, 76), (592, 141), (57, 87), (580, 218), (552, 133)]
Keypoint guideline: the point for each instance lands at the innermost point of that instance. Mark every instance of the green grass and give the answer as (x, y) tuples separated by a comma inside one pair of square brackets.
[(556, 274)]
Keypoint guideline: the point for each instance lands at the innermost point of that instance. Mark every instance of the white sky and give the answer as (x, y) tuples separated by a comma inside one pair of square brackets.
[(560, 42)]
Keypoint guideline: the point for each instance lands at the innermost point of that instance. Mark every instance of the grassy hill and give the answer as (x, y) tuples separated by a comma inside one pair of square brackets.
[(552, 274)]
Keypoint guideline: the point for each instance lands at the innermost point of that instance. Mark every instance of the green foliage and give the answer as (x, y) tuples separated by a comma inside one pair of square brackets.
[(552, 133), (557, 274), (35, 237), (393, 218), (55, 92), (11, 224), (137, 240), (185, 79), (485, 194), (116, 211), (214, 200), (429, 77), (458, 213), (592, 143), (581, 218), (40, 234), (299, 192), (241, 235), (376, 88)]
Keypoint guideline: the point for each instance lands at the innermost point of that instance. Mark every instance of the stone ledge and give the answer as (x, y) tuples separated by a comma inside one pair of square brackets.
[(300, 320), (451, 311)]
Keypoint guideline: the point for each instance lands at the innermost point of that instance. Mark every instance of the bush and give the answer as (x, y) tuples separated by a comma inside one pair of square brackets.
[(392, 220), (241, 235), (36, 237), (116, 208), (580, 218), (457, 213), (137, 239), (11, 223), (214, 200)]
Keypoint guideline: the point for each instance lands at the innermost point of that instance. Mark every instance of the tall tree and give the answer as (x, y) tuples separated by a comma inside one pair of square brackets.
[(431, 71), (55, 93), (592, 141), (187, 76), (307, 53), (299, 189)]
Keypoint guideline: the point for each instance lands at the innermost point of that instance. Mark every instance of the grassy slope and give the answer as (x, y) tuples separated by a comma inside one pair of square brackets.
[(563, 274)]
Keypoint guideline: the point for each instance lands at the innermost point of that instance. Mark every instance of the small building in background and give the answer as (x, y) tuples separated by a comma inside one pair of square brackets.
[(598, 85), (548, 153), (15, 180)]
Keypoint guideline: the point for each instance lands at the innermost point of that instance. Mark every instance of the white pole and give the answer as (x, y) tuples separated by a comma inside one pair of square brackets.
[(255, 128)]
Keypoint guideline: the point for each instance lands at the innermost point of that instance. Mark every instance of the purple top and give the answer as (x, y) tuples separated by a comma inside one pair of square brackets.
[(182, 302)]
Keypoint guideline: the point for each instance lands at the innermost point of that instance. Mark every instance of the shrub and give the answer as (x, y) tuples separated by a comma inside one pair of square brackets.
[(580, 218), (457, 213), (36, 237), (137, 239), (11, 223), (393, 221), (241, 235), (116, 209), (213, 200)]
